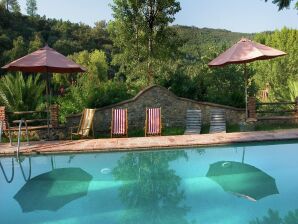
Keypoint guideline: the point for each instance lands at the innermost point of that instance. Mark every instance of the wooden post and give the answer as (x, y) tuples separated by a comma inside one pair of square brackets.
[(252, 108)]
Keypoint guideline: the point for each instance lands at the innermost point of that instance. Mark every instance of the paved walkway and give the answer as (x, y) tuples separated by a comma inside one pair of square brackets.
[(141, 143)]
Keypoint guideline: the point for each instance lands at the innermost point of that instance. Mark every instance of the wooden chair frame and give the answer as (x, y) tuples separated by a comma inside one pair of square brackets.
[(81, 130)]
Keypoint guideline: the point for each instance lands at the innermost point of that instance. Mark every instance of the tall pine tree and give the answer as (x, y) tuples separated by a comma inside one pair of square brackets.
[(31, 7)]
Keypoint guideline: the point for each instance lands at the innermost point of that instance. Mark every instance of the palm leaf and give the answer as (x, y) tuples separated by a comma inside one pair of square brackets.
[(20, 94)]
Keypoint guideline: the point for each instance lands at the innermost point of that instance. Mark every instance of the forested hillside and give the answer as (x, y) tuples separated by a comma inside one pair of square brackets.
[(205, 36), (21, 34)]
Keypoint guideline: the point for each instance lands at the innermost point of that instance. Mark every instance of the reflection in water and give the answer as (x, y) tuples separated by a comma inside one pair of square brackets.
[(242, 179), (19, 160), (151, 191), (274, 218), (8, 180), (52, 190), (71, 157)]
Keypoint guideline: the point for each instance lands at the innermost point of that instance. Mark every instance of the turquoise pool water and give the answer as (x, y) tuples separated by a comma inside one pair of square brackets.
[(231, 185)]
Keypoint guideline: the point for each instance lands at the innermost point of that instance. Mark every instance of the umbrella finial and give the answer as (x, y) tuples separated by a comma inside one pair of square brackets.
[(46, 47), (243, 39)]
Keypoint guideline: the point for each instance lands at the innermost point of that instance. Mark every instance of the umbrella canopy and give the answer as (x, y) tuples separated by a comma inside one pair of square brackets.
[(52, 190), (242, 179), (45, 60), (245, 51)]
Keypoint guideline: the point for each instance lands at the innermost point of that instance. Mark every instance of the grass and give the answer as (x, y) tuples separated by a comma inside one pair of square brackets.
[(180, 131), (230, 128), (205, 129), (271, 127), (141, 133)]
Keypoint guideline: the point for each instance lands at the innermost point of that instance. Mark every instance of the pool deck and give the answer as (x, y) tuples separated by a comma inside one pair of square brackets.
[(143, 143)]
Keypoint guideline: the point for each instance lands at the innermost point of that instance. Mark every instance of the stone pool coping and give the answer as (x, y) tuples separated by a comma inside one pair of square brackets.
[(145, 143)]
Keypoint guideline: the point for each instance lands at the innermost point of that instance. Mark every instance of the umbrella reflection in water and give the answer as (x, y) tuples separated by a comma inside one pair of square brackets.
[(52, 190), (242, 179)]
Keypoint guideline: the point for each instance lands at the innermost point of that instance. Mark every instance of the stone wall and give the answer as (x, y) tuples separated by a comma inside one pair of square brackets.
[(173, 110), (36, 134)]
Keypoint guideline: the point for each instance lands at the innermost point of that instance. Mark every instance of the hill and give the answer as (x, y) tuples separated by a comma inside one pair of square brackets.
[(21, 34), (199, 36)]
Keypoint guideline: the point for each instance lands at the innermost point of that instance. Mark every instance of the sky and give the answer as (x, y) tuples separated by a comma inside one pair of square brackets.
[(247, 16)]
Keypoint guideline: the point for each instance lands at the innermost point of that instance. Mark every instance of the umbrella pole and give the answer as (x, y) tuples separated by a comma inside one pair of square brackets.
[(48, 106), (243, 154), (245, 77)]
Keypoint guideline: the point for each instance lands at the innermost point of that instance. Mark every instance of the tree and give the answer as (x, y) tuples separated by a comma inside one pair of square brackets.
[(18, 50), (280, 73), (152, 189), (36, 43), (31, 7), (91, 89), (273, 217), (282, 4), (11, 5), (95, 62), (140, 32)]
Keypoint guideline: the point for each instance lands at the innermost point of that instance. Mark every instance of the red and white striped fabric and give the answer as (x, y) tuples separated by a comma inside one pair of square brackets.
[(153, 120), (119, 122)]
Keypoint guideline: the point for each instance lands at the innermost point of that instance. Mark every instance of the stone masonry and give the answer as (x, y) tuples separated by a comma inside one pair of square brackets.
[(173, 110), (3, 117), (251, 108), (54, 115)]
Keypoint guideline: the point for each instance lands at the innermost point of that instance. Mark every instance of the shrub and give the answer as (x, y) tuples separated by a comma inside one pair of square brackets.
[(21, 94), (90, 93)]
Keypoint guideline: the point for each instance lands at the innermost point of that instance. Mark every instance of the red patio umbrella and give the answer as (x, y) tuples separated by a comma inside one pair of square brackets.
[(243, 52), (45, 60)]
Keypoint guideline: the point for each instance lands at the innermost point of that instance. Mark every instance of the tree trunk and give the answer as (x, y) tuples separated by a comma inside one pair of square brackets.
[(150, 21), (149, 65), (137, 32)]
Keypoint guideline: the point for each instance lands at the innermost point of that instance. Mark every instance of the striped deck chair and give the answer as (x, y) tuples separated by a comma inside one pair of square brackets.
[(119, 125), (153, 121), (86, 124)]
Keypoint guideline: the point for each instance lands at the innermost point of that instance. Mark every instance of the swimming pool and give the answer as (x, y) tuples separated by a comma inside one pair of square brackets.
[(230, 184)]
